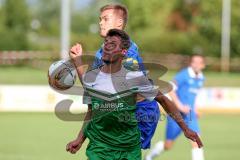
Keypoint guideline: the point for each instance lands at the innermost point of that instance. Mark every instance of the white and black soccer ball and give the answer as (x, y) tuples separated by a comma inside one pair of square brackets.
[(61, 75)]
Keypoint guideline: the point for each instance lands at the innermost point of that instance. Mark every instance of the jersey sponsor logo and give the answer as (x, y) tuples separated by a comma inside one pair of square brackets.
[(108, 106)]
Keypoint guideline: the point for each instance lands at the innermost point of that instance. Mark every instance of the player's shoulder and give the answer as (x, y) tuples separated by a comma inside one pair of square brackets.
[(133, 45), (99, 52), (201, 77), (133, 49), (93, 70), (182, 72), (181, 75), (131, 73), (91, 74)]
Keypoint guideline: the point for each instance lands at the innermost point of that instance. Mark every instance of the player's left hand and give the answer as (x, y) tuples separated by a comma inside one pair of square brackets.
[(194, 137), (76, 51), (73, 146)]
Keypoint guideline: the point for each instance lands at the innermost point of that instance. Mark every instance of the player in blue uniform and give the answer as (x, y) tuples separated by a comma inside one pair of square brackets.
[(115, 16), (186, 83)]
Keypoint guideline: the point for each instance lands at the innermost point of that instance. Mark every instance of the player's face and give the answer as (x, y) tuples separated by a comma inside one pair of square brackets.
[(112, 50), (197, 63), (108, 20)]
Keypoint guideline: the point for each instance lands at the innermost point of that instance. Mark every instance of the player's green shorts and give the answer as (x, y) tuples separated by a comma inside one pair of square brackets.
[(96, 152)]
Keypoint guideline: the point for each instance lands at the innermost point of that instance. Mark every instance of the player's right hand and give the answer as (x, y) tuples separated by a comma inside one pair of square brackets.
[(75, 51), (73, 146)]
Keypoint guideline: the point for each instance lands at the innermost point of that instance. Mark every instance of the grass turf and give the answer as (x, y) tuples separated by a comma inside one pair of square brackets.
[(41, 136)]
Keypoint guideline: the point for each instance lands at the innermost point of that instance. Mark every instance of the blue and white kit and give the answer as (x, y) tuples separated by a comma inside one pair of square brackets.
[(188, 85)]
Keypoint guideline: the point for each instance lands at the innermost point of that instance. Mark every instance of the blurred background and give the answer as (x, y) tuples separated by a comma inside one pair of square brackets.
[(35, 33)]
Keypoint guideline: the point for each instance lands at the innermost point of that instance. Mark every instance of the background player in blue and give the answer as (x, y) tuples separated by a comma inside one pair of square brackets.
[(115, 17), (187, 83)]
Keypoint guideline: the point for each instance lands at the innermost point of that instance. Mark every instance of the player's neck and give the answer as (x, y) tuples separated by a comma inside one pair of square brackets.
[(112, 68)]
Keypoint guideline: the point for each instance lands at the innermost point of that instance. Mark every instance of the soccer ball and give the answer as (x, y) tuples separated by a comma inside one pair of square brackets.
[(61, 75)]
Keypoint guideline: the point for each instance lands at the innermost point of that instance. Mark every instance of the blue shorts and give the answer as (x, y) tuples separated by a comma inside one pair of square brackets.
[(173, 130), (147, 115)]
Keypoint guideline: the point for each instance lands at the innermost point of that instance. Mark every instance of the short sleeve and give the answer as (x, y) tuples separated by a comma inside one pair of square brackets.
[(88, 81), (180, 78)]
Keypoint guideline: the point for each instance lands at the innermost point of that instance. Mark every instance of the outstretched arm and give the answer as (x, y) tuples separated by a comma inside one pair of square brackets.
[(172, 110), (76, 144), (75, 55)]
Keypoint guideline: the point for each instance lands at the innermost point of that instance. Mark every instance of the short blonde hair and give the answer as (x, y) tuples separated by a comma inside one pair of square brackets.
[(119, 9)]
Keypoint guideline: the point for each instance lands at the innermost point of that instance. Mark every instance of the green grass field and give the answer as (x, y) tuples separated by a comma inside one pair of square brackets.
[(41, 136), (28, 76)]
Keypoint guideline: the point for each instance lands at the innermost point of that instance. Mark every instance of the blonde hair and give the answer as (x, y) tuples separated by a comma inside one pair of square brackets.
[(118, 9)]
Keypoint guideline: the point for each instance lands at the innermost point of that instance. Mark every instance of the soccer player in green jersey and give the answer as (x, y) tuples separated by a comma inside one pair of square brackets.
[(113, 131)]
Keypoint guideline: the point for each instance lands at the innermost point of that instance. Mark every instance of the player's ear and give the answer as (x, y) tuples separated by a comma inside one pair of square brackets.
[(124, 52), (120, 23)]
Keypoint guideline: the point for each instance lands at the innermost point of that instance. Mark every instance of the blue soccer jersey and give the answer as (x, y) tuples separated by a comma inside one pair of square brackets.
[(132, 56), (147, 112), (187, 86)]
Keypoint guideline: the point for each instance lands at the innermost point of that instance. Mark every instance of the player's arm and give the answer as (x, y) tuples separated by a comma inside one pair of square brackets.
[(172, 110), (146, 89), (177, 102), (76, 144), (75, 55)]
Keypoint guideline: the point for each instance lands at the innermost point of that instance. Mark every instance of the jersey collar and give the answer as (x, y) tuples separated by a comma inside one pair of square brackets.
[(193, 75)]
